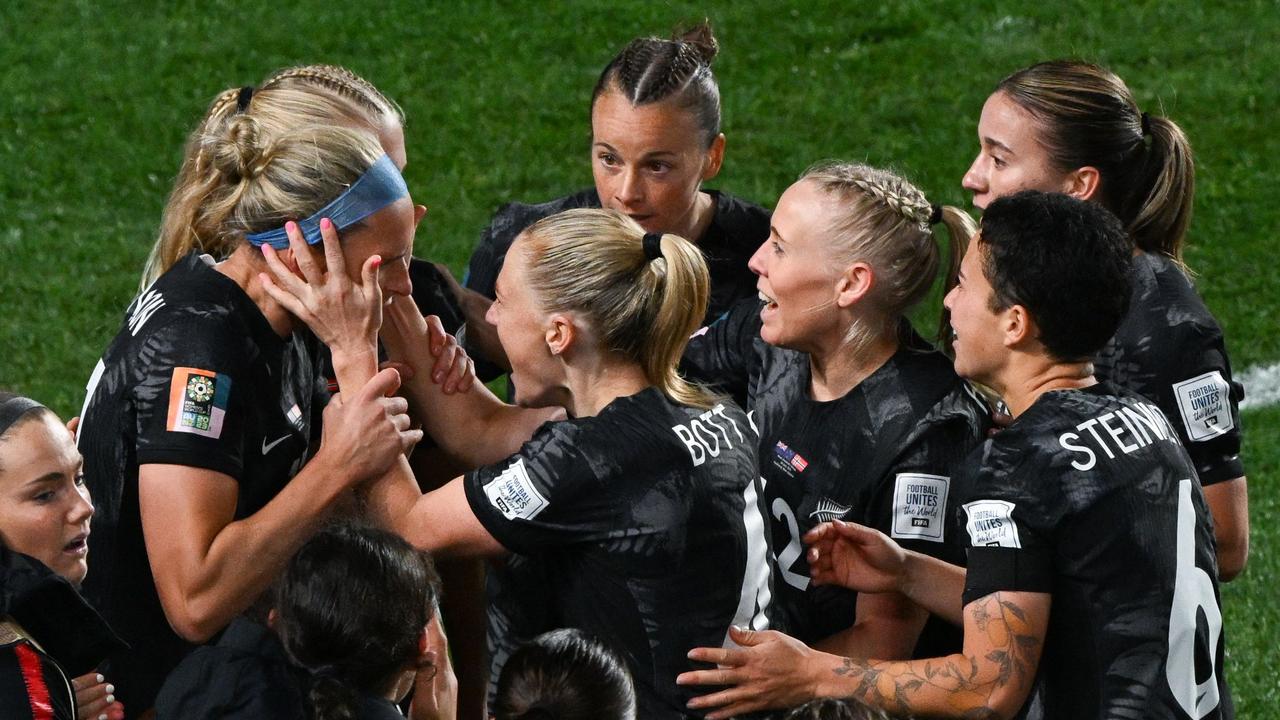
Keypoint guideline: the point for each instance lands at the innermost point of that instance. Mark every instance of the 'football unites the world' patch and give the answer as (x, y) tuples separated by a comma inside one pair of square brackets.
[(514, 493), (1203, 403), (990, 524), (198, 401), (919, 504)]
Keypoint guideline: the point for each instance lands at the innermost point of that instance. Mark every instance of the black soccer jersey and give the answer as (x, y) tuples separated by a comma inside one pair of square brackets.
[(645, 521), (735, 232), (881, 455), (1090, 497), (195, 377), (1170, 349)]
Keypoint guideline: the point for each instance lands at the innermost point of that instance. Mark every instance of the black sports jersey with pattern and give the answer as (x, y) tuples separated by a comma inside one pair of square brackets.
[(1089, 496), (644, 520), (738, 228), (881, 455), (735, 232), (1170, 349), (195, 377)]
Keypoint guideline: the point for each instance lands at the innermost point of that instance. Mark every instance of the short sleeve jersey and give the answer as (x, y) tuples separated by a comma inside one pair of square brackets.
[(881, 455), (735, 232), (644, 520), (1170, 349), (1090, 497), (196, 377)]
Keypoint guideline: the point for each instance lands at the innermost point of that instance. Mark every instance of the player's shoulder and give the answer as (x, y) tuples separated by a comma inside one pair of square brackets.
[(735, 212), (1167, 298), (513, 217)]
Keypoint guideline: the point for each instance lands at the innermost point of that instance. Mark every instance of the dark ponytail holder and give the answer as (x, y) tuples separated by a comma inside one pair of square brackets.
[(935, 214), (242, 101), (1146, 124), (652, 246)]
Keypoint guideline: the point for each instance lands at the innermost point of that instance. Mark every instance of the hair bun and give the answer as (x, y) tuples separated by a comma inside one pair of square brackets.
[(239, 151), (701, 38)]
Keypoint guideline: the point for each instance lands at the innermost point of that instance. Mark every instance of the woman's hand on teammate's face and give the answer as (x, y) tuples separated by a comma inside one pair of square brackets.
[(95, 698), (367, 429), (854, 556), (345, 315), (769, 671)]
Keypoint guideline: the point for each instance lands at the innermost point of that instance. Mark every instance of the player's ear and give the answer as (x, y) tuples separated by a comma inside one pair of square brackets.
[(1082, 183), (290, 261), (560, 333), (854, 284), (715, 158), (1017, 326)]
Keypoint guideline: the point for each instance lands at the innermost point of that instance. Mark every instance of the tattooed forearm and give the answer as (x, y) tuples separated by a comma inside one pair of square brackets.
[(989, 679)]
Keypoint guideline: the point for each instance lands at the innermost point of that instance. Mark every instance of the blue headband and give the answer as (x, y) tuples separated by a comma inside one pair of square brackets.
[(377, 188)]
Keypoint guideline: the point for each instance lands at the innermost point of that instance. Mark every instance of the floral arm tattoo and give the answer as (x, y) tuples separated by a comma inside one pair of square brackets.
[(1003, 636)]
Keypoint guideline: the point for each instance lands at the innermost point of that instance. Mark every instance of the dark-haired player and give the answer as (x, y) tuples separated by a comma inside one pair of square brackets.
[(1091, 558), (655, 139)]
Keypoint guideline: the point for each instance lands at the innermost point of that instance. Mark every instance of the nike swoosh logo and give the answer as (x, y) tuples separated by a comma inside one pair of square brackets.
[(267, 447)]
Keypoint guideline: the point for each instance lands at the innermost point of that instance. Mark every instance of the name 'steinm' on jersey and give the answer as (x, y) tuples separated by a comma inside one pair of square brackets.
[(709, 434), (1122, 431)]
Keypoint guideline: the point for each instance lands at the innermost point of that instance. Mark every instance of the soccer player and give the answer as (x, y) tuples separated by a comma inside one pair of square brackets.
[(1091, 560), (201, 420), (641, 505), (858, 416), (655, 139), (1073, 127)]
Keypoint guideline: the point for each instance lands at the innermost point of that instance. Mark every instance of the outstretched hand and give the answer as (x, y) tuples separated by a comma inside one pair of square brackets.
[(367, 429), (345, 315), (854, 556), (407, 333), (769, 671)]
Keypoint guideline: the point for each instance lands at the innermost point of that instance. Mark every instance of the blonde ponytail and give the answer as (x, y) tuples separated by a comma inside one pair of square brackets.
[(594, 263)]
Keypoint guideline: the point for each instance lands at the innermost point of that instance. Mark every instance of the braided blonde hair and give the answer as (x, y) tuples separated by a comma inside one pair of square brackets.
[(287, 99), (886, 221)]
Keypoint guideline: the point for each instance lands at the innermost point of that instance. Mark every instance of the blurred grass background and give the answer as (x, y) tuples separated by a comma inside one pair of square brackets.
[(97, 97)]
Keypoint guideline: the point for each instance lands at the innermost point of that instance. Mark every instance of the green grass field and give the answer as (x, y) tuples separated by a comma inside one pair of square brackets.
[(96, 98)]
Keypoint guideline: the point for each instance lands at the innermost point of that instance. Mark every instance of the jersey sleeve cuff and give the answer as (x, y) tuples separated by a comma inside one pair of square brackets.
[(1221, 470), (992, 569), (185, 456)]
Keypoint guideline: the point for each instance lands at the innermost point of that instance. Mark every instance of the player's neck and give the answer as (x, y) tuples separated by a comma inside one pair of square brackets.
[(834, 372), (595, 384), (1026, 381), (244, 266)]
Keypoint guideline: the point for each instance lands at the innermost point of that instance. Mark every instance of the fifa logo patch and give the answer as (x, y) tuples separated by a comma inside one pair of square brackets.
[(198, 401), (789, 459)]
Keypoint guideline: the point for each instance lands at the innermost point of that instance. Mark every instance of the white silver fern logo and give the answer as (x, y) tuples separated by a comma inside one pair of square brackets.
[(143, 308), (829, 510)]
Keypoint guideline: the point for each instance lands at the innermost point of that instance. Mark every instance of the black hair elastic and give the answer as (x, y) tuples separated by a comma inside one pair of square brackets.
[(935, 214), (652, 246), (1146, 124), (242, 101), (13, 409)]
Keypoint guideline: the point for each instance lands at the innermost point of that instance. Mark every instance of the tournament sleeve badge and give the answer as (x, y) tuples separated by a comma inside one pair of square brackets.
[(1203, 403), (198, 401)]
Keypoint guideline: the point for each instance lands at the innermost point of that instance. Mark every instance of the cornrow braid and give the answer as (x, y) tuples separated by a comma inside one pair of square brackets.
[(881, 219), (900, 197), (650, 70), (341, 81)]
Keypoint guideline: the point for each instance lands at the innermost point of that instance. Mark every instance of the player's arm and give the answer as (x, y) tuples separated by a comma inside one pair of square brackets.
[(482, 336), (1229, 505), (475, 427), (866, 560), (441, 521), (991, 678), (209, 567), (886, 625)]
